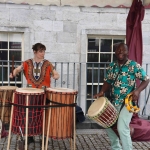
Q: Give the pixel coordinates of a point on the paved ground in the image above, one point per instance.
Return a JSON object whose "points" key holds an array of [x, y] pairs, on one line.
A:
{"points": [[86, 139]]}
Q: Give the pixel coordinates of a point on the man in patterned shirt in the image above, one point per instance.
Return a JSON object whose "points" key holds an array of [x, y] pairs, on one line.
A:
{"points": [[121, 77]]}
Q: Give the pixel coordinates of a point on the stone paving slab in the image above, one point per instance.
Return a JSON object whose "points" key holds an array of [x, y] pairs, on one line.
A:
{"points": [[86, 139]]}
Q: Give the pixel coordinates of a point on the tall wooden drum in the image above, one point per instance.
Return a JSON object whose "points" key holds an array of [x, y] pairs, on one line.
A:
{"points": [[28, 97], [6, 93], [61, 118]]}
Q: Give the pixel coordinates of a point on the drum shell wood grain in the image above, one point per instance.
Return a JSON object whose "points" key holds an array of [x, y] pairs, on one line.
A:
{"points": [[61, 118], [6, 93]]}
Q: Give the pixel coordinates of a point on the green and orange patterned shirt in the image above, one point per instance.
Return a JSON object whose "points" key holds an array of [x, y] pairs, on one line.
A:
{"points": [[126, 81]]}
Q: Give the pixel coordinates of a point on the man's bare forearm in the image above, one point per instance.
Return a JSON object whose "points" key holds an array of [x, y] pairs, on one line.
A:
{"points": [[106, 86], [17, 70], [143, 85]]}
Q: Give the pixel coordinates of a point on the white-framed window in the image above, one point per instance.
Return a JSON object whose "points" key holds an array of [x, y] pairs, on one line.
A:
{"points": [[11, 48], [100, 52]]}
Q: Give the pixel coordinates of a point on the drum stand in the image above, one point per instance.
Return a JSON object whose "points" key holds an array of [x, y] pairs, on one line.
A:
{"points": [[10, 126], [43, 123], [3, 106], [2, 113], [74, 131], [74, 128], [26, 131], [46, 144]]}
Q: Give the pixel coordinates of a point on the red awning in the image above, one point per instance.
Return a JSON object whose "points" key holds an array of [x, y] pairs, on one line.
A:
{"points": [[134, 31]]}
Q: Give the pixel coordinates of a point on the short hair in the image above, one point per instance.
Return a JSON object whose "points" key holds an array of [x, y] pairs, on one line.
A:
{"points": [[115, 45], [125, 45], [38, 46]]}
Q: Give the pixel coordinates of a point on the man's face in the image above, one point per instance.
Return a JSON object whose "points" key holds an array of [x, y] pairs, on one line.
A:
{"points": [[40, 53], [121, 52]]}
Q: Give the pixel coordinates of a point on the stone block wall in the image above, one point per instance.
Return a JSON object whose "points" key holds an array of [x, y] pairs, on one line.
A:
{"points": [[64, 30]]}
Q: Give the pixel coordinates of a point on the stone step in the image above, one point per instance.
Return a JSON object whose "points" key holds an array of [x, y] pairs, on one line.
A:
{"points": [[88, 124]]}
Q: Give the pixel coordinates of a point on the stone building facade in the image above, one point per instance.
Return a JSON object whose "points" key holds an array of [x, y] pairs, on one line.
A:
{"points": [[64, 30]]}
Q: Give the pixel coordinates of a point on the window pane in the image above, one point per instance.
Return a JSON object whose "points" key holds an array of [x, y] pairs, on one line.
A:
{"points": [[106, 45], [96, 76], [105, 58], [95, 90], [92, 75], [16, 54], [3, 45], [15, 45], [118, 41], [3, 73], [10, 45], [93, 45], [93, 57], [3, 56]]}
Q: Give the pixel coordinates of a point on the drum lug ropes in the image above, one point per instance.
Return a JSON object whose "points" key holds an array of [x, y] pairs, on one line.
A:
{"points": [[26, 104], [60, 120], [103, 112]]}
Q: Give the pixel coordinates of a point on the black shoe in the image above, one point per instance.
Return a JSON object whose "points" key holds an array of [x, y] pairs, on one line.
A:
{"points": [[30, 140]]}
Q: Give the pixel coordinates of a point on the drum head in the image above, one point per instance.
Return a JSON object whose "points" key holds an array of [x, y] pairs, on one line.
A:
{"points": [[96, 106], [8, 87], [29, 90], [62, 90]]}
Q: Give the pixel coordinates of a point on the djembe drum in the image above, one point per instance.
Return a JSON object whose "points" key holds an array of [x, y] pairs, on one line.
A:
{"points": [[6, 93], [29, 120], [60, 121], [103, 112], [28, 97]]}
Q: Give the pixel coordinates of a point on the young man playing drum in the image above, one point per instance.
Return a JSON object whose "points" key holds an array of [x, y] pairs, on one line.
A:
{"points": [[38, 71], [122, 74]]}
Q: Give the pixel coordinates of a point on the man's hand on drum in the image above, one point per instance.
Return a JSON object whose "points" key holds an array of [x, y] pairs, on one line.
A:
{"points": [[99, 94]]}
